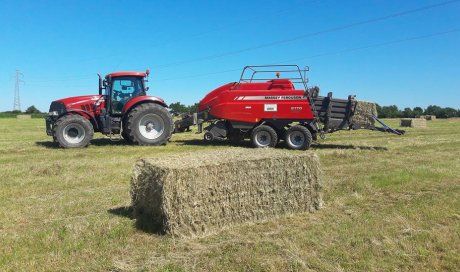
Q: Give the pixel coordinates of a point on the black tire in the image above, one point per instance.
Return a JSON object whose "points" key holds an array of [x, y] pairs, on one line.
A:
{"points": [[73, 131], [149, 124], [298, 137], [126, 136], [264, 136], [208, 137]]}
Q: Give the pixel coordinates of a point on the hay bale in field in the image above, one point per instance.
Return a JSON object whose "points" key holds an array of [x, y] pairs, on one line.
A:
{"points": [[363, 112], [413, 122], [197, 193], [23, 116], [430, 117]]}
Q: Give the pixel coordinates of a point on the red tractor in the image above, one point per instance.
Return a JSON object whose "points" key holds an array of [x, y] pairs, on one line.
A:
{"points": [[123, 110], [268, 109]]}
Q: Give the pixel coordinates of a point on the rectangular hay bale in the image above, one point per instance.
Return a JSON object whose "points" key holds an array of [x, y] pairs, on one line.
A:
{"points": [[363, 113], [413, 122], [196, 193]]}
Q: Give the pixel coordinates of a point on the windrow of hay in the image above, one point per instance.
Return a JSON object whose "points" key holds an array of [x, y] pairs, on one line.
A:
{"points": [[23, 116], [363, 112], [196, 193], [413, 122]]}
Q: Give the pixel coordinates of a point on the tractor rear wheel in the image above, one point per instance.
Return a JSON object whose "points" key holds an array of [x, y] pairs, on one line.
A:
{"points": [[149, 124], [264, 136], [73, 131], [298, 137]]}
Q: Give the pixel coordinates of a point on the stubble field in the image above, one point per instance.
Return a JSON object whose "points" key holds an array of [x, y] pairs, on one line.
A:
{"points": [[390, 203]]}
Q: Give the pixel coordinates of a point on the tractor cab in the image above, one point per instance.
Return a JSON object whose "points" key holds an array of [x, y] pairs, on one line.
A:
{"points": [[120, 88]]}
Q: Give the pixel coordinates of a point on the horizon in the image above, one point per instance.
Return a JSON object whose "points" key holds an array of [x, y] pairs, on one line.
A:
{"points": [[387, 52]]}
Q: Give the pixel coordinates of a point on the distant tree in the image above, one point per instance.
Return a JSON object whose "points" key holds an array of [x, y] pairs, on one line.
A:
{"points": [[379, 111], [449, 112], [32, 109], [178, 107], [193, 108], [408, 113], [417, 111], [390, 112], [434, 110]]}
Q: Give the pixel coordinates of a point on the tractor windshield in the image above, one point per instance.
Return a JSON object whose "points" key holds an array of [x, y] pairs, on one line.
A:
{"points": [[123, 89]]}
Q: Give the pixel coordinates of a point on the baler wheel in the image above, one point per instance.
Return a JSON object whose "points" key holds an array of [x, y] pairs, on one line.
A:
{"points": [[298, 137], [149, 124], [264, 136], [73, 131], [208, 136]]}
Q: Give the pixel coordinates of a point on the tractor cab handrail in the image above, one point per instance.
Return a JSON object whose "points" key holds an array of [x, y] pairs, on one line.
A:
{"points": [[295, 73]]}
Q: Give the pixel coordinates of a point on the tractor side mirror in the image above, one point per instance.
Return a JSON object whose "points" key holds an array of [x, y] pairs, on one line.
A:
{"points": [[147, 89]]}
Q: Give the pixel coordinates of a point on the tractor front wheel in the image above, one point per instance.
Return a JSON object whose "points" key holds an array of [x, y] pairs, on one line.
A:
{"points": [[149, 124], [73, 131], [298, 137], [264, 136]]}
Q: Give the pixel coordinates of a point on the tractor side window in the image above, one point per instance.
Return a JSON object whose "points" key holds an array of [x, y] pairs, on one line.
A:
{"points": [[123, 89]]}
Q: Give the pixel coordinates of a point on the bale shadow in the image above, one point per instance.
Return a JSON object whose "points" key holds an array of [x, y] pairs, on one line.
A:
{"points": [[143, 223]]}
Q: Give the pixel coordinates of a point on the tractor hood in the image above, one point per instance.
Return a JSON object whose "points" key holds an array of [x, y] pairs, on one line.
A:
{"points": [[76, 101], [84, 102]]}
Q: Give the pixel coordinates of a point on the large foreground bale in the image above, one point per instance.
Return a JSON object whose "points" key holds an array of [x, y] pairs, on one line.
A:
{"points": [[413, 122], [363, 112], [192, 194]]}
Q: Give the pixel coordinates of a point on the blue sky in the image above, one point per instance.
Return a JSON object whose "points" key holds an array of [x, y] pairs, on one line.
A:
{"points": [[387, 51]]}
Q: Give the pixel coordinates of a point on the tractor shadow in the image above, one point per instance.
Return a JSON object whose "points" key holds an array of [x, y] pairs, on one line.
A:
{"points": [[281, 145], [47, 144], [142, 223], [94, 142]]}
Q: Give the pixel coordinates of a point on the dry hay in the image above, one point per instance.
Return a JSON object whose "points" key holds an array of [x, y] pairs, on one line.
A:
{"points": [[429, 117], [413, 122], [363, 111], [23, 116], [196, 193]]}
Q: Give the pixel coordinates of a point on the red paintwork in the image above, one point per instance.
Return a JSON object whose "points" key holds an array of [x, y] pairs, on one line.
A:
{"points": [[119, 74], [247, 102], [139, 99]]}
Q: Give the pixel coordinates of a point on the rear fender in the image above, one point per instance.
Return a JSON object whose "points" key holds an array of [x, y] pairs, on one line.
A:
{"points": [[140, 100]]}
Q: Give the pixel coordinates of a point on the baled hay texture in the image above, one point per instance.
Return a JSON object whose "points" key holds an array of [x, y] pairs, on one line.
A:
{"points": [[23, 116], [363, 113], [413, 122], [430, 117], [197, 193]]}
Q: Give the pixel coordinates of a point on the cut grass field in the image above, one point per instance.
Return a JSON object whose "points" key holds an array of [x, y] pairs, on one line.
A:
{"points": [[391, 203]]}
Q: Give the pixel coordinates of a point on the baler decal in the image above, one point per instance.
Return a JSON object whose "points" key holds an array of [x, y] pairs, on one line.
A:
{"points": [[275, 97]]}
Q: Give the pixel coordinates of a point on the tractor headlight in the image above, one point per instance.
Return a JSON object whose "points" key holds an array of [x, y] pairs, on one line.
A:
{"points": [[53, 113]]}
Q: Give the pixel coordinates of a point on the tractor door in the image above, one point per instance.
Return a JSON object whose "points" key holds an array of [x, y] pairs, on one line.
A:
{"points": [[122, 89]]}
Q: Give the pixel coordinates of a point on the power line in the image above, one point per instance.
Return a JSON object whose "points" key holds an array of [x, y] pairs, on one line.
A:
{"points": [[431, 35], [307, 35]]}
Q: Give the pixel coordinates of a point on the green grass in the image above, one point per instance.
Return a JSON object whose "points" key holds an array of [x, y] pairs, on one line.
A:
{"points": [[391, 203]]}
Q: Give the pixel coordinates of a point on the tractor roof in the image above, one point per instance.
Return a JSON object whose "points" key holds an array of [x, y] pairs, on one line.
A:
{"points": [[119, 74]]}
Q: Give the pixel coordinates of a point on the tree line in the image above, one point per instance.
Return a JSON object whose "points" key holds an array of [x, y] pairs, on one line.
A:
{"points": [[394, 112]]}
